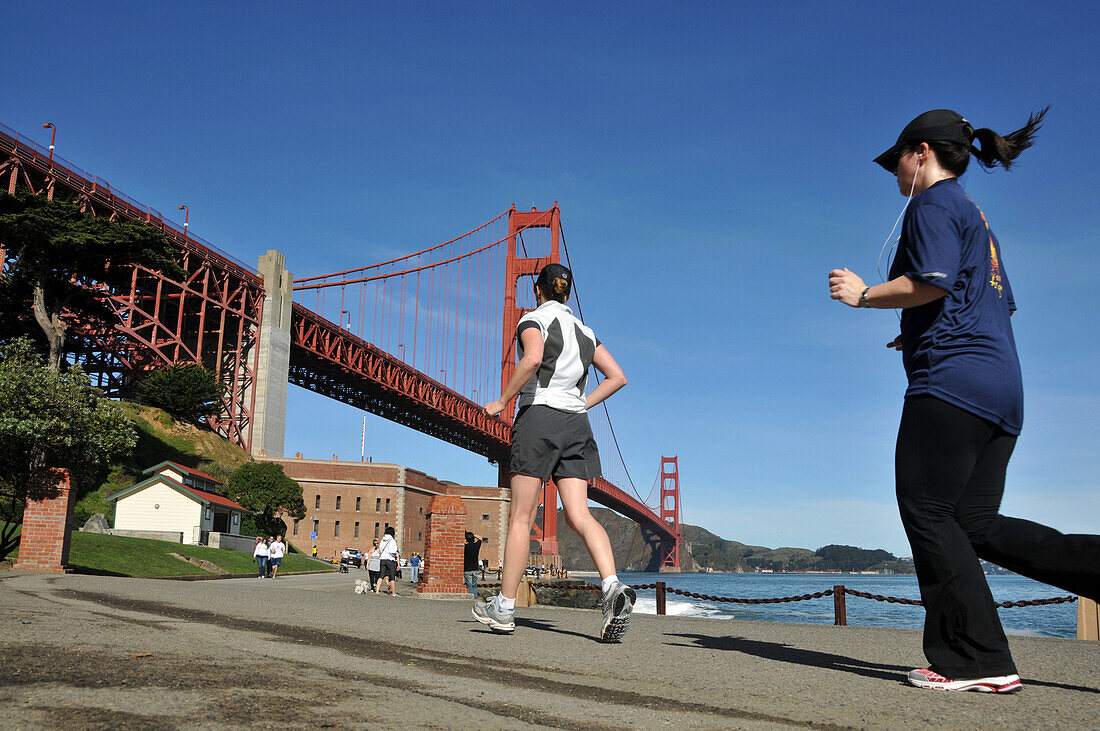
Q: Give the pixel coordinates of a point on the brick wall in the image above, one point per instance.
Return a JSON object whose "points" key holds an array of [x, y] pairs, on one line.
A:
{"points": [[47, 527], [443, 547]]}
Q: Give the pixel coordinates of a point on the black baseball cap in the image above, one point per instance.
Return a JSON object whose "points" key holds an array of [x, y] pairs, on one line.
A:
{"points": [[549, 273], [938, 124]]}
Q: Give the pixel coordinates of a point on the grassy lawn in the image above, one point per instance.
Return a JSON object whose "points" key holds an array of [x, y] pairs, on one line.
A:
{"points": [[99, 553]]}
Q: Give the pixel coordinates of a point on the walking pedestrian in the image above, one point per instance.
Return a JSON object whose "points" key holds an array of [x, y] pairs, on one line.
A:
{"points": [[388, 558], [552, 437], [374, 566], [277, 548], [260, 552], [414, 568], [964, 405], [471, 567]]}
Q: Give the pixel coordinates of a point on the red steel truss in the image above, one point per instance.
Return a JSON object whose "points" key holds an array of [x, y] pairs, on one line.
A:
{"points": [[211, 317]]}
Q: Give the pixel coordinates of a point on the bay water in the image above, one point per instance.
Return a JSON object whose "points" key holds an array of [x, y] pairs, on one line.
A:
{"points": [[1055, 620]]}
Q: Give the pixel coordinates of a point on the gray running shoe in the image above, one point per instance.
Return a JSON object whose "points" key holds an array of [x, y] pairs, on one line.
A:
{"points": [[486, 612], [618, 603]]}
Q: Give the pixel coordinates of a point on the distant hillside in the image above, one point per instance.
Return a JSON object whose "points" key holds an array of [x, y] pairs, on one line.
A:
{"points": [[636, 550], [160, 438]]}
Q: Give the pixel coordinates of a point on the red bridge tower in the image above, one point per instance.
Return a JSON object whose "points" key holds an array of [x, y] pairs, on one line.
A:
{"points": [[515, 268], [670, 510]]}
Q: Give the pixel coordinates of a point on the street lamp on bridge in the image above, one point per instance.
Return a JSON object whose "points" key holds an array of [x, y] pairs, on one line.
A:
{"points": [[186, 215], [53, 136]]}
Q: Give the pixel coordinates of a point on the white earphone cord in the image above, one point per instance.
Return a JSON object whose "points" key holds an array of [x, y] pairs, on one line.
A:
{"points": [[878, 262]]}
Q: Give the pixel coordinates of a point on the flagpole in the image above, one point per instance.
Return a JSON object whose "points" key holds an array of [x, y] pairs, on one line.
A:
{"points": [[363, 441]]}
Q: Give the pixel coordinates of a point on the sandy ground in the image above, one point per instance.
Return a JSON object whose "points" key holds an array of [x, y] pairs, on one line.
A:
{"points": [[89, 652]]}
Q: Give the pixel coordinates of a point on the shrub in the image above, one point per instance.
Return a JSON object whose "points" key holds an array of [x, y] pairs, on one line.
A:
{"points": [[185, 390]]}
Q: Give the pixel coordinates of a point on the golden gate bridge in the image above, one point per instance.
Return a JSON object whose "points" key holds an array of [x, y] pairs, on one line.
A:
{"points": [[421, 339]]}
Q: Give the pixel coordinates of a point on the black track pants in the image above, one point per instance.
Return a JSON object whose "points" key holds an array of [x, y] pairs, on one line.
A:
{"points": [[950, 473]]}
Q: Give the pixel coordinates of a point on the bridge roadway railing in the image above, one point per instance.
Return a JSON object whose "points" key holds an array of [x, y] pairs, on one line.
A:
{"points": [[100, 191]]}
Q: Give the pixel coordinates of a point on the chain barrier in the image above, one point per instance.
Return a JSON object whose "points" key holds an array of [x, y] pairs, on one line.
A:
{"points": [[837, 592]]}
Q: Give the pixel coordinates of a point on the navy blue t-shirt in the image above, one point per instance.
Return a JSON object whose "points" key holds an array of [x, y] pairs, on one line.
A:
{"points": [[959, 348]]}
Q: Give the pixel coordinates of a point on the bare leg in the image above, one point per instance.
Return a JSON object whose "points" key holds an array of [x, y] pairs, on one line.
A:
{"points": [[521, 514], [574, 498]]}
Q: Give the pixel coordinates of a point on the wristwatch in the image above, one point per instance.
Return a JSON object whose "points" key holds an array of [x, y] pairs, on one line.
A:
{"points": [[863, 298]]}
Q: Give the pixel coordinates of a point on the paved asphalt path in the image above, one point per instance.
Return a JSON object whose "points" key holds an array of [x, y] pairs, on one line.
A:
{"points": [[305, 651]]}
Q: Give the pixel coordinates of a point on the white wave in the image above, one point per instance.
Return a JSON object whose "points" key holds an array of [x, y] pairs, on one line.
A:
{"points": [[678, 608]]}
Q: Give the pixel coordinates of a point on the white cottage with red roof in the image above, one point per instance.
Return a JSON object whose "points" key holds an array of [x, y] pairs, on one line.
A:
{"points": [[178, 499]]}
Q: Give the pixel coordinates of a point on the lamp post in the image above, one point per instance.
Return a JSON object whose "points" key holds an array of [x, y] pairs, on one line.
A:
{"points": [[186, 215], [53, 136], [348, 325]]}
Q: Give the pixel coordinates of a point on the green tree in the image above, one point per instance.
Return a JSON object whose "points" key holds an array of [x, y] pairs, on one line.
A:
{"points": [[184, 390], [264, 488], [50, 419], [56, 255]]}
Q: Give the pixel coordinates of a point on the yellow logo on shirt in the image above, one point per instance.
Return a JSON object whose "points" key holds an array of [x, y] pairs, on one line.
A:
{"points": [[994, 262]]}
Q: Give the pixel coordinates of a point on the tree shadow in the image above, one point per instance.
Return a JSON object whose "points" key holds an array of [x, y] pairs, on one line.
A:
{"points": [[794, 655], [88, 571]]}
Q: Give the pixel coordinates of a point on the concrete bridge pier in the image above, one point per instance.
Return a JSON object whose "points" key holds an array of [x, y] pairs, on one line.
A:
{"points": [[273, 366]]}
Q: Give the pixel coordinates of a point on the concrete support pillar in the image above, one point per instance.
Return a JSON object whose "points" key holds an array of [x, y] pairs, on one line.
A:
{"points": [[443, 549], [47, 526], [269, 417]]}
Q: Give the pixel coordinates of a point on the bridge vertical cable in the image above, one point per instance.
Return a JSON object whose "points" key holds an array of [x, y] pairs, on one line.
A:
{"points": [[438, 310]]}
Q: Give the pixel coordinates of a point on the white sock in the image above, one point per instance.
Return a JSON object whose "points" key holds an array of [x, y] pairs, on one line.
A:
{"points": [[609, 582], [504, 604]]}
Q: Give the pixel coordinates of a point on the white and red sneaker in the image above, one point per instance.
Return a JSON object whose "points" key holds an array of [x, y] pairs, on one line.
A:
{"points": [[925, 678]]}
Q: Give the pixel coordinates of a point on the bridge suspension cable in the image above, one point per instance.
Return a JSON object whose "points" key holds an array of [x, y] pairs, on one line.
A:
{"points": [[595, 382]]}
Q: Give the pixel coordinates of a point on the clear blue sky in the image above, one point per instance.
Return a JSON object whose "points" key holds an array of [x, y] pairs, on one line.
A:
{"points": [[712, 162]]}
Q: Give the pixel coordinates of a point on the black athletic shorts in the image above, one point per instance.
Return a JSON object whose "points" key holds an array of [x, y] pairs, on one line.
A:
{"points": [[549, 443], [388, 569]]}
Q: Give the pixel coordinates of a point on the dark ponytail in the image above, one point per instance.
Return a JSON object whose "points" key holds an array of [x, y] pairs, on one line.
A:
{"points": [[1003, 150], [995, 150]]}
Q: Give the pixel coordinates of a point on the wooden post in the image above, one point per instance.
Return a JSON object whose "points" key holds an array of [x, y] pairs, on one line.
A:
{"points": [[840, 610], [1088, 619], [660, 597]]}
